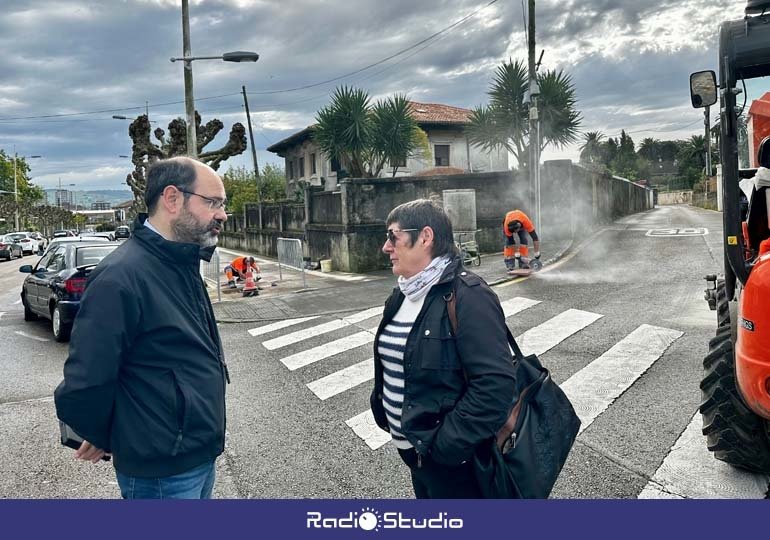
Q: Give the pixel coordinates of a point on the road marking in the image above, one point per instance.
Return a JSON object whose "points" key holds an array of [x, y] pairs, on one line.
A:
{"points": [[681, 231], [690, 471], [301, 335], [516, 305], [365, 427], [547, 335], [278, 325], [315, 354], [595, 387], [30, 336], [1, 314], [343, 380]]}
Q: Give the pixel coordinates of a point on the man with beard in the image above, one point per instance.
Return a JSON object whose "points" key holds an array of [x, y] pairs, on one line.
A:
{"points": [[145, 377]]}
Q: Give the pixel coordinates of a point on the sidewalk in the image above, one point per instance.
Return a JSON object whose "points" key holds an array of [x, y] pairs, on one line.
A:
{"points": [[334, 292]]}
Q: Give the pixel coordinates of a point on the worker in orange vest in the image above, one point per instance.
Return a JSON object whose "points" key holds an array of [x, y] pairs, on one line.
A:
{"points": [[517, 227], [237, 269]]}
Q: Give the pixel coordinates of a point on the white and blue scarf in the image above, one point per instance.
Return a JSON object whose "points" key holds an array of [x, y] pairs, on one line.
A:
{"points": [[418, 285]]}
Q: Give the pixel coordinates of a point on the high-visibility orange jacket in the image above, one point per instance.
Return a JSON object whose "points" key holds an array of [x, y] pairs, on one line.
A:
{"points": [[240, 263], [517, 215]]}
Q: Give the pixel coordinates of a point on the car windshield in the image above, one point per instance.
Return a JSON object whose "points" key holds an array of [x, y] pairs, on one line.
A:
{"points": [[17, 236], [92, 254]]}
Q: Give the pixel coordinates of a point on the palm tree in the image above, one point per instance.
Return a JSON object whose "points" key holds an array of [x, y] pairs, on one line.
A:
{"points": [[649, 149], [366, 137], [504, 122], [591, 151]]}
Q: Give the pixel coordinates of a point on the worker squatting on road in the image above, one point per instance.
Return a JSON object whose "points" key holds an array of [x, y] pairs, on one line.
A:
{"points": [[516, 227], [237, 269]]}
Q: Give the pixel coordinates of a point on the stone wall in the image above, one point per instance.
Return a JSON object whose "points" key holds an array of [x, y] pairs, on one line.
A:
{"points": [[675, 197], [348, 225]]}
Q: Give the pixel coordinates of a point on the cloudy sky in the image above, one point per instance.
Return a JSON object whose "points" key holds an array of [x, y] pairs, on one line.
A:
{"points": [[69, 65]]}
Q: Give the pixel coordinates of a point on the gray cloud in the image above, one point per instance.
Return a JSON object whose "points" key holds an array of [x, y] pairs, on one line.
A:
{"points": [[629, 61]]}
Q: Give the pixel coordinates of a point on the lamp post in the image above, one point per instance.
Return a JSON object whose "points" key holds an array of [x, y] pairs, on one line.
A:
{"points": [[16, 188], [189, 101]]}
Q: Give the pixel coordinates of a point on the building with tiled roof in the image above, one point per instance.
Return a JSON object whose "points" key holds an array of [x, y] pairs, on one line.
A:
{"points": [[449, 147]]}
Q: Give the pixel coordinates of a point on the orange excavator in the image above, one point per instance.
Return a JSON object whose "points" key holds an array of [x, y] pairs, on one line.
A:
{"points": [[736, 383]]}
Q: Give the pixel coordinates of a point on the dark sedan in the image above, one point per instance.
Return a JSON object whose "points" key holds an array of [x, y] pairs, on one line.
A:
{"points": [[56, 283], [10, 248]]}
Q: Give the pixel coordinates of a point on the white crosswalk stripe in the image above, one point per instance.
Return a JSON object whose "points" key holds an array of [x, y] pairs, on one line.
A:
{"points": [[365, 427], [307, 333], [690, 471], [592, 389], [544, 337], [310, 356], [516, 305], [343, 380], [279, 325]]}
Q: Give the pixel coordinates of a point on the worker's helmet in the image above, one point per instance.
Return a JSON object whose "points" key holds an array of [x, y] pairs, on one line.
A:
{"points": [[251, 260], [514, 225]]}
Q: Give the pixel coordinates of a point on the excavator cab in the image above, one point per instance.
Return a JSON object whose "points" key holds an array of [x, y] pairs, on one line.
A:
{"points": [[736, 385]]}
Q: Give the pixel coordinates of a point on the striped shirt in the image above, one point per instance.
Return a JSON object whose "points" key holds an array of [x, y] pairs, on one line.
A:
{"points": [[390, 347]]}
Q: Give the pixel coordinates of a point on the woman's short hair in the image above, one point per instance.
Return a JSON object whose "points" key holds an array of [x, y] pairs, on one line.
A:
{"points": [[423, 213]]}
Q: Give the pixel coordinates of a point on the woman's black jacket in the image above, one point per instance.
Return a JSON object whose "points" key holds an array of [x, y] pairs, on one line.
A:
{"points": [[445, 416]]}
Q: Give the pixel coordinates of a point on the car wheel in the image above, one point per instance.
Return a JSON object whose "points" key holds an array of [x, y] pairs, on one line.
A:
{"points": [[61, 331], [29, 315]]}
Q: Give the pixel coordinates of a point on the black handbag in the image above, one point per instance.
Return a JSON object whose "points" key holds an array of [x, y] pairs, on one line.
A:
{"points": [[524, 458]]}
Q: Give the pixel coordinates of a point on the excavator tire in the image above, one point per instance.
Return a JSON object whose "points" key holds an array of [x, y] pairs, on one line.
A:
{"points": [[733, 432]]}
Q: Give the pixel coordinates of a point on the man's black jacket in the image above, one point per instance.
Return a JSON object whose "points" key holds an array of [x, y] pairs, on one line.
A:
{"points": [[443, 415], [145, 377]]}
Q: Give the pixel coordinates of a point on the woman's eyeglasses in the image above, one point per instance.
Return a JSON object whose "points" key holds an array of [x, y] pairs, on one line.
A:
{"points": [[391, 234], [214, 204]]}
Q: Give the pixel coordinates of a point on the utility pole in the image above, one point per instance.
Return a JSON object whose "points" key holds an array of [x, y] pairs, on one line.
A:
{"points": [[192, 139], [534, 124], [251, 137], [15, 192]]}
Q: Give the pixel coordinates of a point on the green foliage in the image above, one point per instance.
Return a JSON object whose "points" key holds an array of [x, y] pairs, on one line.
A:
{"points": [[366, 137], [504, 123], [241, 186]]}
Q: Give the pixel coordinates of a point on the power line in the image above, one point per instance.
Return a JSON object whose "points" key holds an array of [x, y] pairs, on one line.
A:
{"points": [[382, 61]]}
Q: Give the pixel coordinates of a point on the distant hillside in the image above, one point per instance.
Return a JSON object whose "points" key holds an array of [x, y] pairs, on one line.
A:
{"points": [[86, 198]]}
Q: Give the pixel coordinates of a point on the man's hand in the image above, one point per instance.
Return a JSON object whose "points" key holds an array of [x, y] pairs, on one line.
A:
{"points": [[88, 452]]}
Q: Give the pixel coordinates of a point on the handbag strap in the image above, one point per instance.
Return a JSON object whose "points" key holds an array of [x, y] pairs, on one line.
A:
{"points": [[451, 307]]}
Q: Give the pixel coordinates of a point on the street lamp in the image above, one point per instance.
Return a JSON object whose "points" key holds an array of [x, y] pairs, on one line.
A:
{"points": [[236, 56], [16, 188]]}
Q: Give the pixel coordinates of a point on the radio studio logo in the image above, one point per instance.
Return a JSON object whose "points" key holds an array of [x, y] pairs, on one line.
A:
{"points": [[370, 519]]}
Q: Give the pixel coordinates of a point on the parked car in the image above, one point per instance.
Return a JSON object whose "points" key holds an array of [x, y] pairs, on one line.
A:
{"points": [[56, 283], [10, 248], [42, 241], [62, 233], [28, 244], [73, 240], [107, 235], [122, 232]]}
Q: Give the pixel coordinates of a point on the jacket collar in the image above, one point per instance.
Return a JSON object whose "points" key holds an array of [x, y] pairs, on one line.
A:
{"points": [[175, 252]]}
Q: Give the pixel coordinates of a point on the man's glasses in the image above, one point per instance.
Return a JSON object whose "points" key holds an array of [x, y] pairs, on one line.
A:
{"points": [[214, 204], [391, 234]]}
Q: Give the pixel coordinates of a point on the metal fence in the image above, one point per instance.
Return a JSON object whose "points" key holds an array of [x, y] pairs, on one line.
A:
{"points": [[290, 255], [211, 274]]}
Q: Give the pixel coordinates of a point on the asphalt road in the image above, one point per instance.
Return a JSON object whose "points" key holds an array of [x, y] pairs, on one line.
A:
{"points": [[621, 322]]}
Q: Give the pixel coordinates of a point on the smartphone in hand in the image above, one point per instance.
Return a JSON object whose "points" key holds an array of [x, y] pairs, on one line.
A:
{"points": [[72, 440]]}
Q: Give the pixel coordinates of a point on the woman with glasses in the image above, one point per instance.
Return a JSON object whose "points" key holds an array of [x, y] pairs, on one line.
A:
{"points": [[440, 394]]}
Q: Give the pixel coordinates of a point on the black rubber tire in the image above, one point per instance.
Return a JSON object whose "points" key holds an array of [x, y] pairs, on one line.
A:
{"points": [[733, 432], [62, 332], [29, 315]]}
